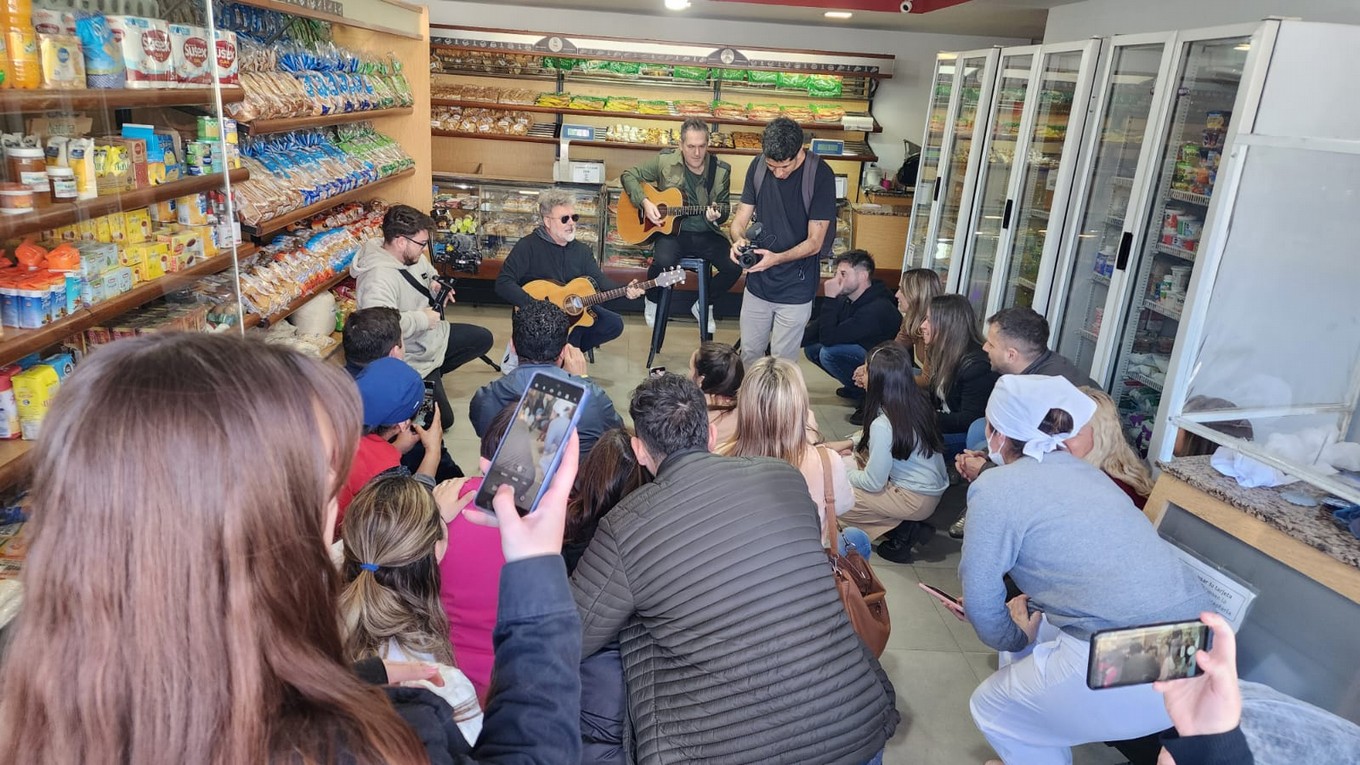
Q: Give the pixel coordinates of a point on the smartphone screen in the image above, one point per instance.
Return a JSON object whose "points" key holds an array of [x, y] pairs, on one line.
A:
{"points": [[425, 414], [1146, 654], [529, 454]]}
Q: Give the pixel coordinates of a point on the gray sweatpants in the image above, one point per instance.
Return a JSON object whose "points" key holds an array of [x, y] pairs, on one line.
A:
{"points": [[776, 325]]}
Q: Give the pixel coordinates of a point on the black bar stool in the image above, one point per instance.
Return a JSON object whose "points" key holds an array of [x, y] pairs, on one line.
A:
{"points": [[663, 307]]}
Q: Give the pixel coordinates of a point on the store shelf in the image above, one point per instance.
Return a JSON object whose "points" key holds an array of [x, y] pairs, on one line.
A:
{"points": [[285, 124], [14, 462], [1158, 308], [1184, 196], [364, 192], [1026, 283], [1176, 252], [26, 101], [300, 10], [1100, 279], [18, 343], [1144, 380], [531, 138], [862, 152], [47, 218], [1122, 181], [1089, 335], [672, 117], [549, 75], [253, 320]]}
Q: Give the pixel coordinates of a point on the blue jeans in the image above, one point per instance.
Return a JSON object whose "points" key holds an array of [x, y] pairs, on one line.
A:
{"points": [[839, 361], [975, 438], [853, 538], [977, 435], [877, 760]]}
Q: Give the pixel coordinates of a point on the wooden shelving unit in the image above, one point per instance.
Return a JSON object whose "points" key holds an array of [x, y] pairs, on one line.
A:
{"points": [[47, 218], [674, 117], [255, 320], [23, 101], [308, 13], [18, 343], [285, 124], [273, 225], [14, 462]]}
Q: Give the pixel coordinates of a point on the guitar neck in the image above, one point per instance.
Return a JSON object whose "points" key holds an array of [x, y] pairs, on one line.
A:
{"points": [[687, 210], [618, 292]]}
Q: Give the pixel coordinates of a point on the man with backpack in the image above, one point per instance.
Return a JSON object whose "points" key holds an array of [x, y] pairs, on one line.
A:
{"points": [[794, 192]]}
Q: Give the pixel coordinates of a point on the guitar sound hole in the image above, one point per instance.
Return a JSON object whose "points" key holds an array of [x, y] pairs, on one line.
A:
{"points": [[572, 305]]}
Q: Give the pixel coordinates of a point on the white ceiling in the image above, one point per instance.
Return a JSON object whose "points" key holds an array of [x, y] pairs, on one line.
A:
{"points": [[992, 18]]}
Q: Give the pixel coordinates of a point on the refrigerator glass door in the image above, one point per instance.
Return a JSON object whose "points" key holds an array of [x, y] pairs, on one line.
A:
{"points": [[929, 169], [972, 74], [995, 178], [1030, 216], [1211, 73], [1128, 103]]}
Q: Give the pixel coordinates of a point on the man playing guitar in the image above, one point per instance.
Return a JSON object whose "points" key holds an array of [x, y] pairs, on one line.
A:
{"points": [[551, 252], [705, 182]]}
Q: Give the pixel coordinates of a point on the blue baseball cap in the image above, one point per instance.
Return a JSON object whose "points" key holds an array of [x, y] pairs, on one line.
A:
{"points": [[391, 391]]}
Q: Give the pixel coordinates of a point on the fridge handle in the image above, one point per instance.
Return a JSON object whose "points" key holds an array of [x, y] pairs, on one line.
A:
{"points": [[1006, 216], [935, 194], [1125, 244]]}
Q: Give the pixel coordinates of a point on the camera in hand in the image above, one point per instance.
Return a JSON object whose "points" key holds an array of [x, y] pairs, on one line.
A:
{"points": [[746, 254], [441, 296], [456, 251]]}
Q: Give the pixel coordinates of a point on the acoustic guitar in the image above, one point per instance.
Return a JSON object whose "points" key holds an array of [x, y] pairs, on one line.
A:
{"points": [[578, 295], [635, 228]]}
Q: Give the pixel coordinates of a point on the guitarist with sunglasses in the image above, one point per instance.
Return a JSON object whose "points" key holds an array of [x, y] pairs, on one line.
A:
{"points": [[705, 183], [552, 253]]}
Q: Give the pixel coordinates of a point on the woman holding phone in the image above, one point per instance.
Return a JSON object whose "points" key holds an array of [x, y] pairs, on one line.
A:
{"points": [[1087, 561]]}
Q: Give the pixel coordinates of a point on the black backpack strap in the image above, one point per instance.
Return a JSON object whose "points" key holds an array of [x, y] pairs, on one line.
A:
{"points": [[810, 161], [761, 169], [422, 289]]}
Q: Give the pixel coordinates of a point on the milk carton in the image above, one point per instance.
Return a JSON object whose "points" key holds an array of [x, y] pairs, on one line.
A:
{"points": [[146, 49], [193, 58]]}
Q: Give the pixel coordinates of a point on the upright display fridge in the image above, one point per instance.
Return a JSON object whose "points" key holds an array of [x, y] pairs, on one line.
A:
{"points": [[951, 195], [1149, 181], [937, 123], [1039, 111]]}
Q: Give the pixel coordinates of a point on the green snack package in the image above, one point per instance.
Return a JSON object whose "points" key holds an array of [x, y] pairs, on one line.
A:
{"points": [[730, 75], [824, 86], [627, 68], [691, 73], [759, 77], [792, 80]]}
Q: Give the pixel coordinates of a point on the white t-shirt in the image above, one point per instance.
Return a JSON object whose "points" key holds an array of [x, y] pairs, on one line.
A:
{"points": [[457, 690]]}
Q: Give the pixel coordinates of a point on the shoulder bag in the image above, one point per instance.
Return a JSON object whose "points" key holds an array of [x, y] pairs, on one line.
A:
{"points": [[861, 591]]}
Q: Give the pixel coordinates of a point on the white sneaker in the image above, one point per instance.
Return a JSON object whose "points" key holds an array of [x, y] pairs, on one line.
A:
{"points": [[510, 361], [649, 312], [694, 311]]}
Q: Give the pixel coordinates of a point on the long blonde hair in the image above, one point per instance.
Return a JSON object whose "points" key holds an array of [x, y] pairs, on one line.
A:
{"points": [[390, 533], [772, 407], [1110, 451], [919, 286], [954, 333], [174, 617]]}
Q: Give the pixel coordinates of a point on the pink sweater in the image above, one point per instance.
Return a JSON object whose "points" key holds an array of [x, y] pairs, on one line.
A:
{"points": [[470, 576]]}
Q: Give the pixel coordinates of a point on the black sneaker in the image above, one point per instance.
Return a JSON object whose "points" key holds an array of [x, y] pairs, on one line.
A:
{"points": [[895, 551], [846, 391], [857, 417]]}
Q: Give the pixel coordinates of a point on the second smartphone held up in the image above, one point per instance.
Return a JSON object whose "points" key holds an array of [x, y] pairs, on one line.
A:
{"points": [[532, 448], [1146, 654]]}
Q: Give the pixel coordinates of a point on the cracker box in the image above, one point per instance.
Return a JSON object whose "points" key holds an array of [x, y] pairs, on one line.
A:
{"points": [[146, 49], [194, 58], [226, 65]]}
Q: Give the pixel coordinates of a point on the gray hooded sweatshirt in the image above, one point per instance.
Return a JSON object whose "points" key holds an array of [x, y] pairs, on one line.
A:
{"points": [[381, 284]]}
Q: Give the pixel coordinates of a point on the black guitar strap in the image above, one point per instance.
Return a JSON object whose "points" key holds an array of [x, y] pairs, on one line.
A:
{"points": [[422, 289], [709, 175]]}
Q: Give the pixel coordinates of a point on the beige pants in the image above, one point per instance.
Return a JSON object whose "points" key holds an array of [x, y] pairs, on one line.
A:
{"points": [[878, 512]]}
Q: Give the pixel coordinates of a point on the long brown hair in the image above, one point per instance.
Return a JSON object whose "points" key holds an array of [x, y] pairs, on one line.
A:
{"points": [[772, 410], [179, 600], [393, 526], [609, 473], [919, 286], [954, 334], [718, 372], [892, 391]]}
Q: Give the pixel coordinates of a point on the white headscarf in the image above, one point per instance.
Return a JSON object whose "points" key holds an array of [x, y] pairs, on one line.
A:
{"points": [[1019, 403]]}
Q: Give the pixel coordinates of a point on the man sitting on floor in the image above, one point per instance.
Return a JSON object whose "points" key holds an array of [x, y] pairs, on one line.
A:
{"points": [[1017, 344], [858, 314], [538, 332]]}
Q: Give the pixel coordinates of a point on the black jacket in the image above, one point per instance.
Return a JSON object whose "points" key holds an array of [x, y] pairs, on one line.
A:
{"points": [[534, 707], [536, 256], [1215, 749], [968, 393], [866, 322]]}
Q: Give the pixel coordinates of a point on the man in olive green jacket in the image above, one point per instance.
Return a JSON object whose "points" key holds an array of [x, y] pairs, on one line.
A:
{"points": [[705, 182]]}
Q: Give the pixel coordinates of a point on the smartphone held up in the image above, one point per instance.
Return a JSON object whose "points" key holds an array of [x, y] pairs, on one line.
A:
{"points": [[1146, 654], [531, 450]]}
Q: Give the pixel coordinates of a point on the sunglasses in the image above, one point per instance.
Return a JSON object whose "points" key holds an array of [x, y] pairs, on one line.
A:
{"points": [[423, 244], [573, 218]]}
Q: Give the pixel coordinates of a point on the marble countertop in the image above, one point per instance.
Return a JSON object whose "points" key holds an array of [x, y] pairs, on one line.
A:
{"points": [[1312, 526]]}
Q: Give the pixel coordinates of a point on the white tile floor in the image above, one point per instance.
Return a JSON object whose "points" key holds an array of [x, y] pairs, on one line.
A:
{"points": [[934, 660]]}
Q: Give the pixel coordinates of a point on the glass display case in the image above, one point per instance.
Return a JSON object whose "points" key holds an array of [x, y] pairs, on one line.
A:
{"points": [[497, 213], [928, 172]]}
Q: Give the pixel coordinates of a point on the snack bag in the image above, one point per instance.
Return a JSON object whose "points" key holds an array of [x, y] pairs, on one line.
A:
{"points": [[103, 57]]}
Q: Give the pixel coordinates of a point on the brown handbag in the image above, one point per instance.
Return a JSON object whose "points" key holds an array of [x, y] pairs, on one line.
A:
{"points": [[861, 591]]}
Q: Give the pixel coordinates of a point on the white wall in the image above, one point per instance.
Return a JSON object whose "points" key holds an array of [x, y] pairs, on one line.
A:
{"points": [[900, 104], [1093, 18]]}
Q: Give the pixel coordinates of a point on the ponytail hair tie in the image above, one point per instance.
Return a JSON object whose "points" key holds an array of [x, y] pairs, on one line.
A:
{"points": [[373, 567]]}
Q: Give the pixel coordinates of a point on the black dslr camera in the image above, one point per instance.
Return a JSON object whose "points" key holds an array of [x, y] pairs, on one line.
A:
{"points": [[457, 251], [746, 254]]}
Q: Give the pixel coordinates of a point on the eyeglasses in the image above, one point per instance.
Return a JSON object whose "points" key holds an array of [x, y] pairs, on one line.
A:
{"points": [[573, 218], [423, 244]]}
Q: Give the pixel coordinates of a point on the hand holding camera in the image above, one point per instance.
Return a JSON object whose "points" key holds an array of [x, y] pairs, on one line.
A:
{"points": [[746, 251]]}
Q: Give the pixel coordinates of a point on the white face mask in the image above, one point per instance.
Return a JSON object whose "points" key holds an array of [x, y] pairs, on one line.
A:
{"points": [[995, 456]]}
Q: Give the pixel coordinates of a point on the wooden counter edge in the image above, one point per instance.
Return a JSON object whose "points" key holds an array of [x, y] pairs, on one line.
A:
{"points": [[1309, 561]]}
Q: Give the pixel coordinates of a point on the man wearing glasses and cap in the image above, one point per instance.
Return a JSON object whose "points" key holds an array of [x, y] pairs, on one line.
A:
{"points": [[551, 252], [395, 272]]}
